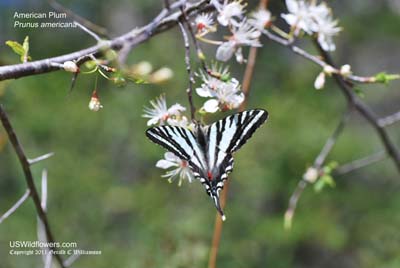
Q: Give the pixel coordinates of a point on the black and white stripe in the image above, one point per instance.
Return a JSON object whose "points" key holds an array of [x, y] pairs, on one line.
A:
{"points": [[209, 149]]}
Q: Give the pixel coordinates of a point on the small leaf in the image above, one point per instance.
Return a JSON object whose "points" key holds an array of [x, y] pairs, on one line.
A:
{"points": [[325, 180], [329, 168], [21, 50], [385, 78], [25, 45], [16, 47]]}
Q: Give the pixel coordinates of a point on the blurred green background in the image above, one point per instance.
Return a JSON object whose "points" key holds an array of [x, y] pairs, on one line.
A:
{"points": [[106, 194]]}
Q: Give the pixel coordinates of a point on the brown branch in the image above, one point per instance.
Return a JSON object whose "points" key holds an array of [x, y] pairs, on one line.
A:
{"points": [[360, 163], [129, 40], [29, 179]]}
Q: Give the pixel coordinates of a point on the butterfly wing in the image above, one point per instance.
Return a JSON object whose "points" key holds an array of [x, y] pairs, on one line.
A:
{"points": [[180, 141], [224, 138], [229, 134]]}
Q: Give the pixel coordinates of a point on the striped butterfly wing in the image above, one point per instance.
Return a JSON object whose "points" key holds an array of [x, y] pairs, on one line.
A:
{"points": [[180, 141], [227, 136]]}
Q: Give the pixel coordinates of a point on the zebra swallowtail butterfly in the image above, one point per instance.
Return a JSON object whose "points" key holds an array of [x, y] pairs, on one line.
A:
{"points": [[208, 150]]}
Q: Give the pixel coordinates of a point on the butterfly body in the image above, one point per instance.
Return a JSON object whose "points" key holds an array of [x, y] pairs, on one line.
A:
{"points": [[208, 149]]}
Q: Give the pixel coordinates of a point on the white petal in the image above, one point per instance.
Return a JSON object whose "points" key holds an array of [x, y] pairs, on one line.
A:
{"points": [[239, 55], [211, 106], [176, 109], [203, 91], [152, 121], [292, 6], [320, 81], [164, 164], [225, 51], [171, 157]]}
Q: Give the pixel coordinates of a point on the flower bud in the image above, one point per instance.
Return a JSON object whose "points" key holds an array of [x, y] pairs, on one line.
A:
{"points": [[70, 66], [329, 69], [311, 175], [345, 70], [320, 81], [161, 75], [143, 68], [94, 104]]}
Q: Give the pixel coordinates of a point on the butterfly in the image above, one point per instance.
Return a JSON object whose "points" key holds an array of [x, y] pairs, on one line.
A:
{"points": [[208, 149]]}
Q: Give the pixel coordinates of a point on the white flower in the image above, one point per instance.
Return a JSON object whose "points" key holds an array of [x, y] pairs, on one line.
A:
{"points": [[260, 18], [243, 34], [312, 18], [212, 79], [181, 168], [320, 81], [326, 29], [227, 96], [159, 113], [299, 16], [204, 22], [229, 12]]}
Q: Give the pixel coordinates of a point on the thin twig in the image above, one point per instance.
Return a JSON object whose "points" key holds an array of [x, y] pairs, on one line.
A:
{"points": [[318, 162], [389, 120], [320, 159], [15, 206], [40, 158], [294, 198], [29, 179], [315, 59], [189, 70], [86, 30], [360, 163], [71, 259], [364, 110], [88, 24], [41, 232]]}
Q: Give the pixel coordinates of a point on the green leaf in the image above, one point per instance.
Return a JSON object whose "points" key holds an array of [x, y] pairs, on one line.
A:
{"points": [[21, 50], [25, 46], [385, 78], [325, 180], [16, 47]]}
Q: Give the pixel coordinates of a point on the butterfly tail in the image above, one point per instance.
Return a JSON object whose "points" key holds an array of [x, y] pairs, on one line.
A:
{"points": [[217, 204]]}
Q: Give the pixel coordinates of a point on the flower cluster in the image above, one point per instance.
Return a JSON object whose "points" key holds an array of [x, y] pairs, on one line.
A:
{"points": [[243, 31], [312, 18], [224, 91], [160, 114]]}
